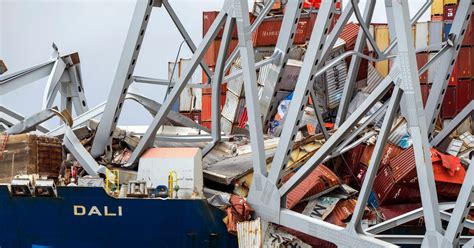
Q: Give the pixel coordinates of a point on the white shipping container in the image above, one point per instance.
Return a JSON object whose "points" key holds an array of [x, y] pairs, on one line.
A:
{"points": [[226, 125], [230, 106], [421, 35], [435, 34], [432, 70], [190, 99], [185, 163]]}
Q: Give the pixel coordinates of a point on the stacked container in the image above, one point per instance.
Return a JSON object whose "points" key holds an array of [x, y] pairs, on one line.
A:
{"points": [[210, 58], [461, 84]]}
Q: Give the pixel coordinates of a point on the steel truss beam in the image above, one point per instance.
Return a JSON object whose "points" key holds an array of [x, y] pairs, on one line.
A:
{"points": [[267, 194], [124, 75], [12, 118], [447, 61], [64, 76], [233, 10]]}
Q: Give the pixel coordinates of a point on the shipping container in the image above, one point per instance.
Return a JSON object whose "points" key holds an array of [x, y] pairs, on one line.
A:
{"points": [[329, 87], [422, 35], [447, 29], [269, 30], [382, 38], [263, 52], [353, 157], [317, 4], [425, 92], [469, 35], [230, 107], [390, 151], [210, 57], [388, 192], [318, 180], [435, 35], [437, 8], [433, 69], [450, 2], [206, 107], [449, 12], [421, 60], [448, 109], [463, 67], [208, 18], [290, 75], [226, 126], [404, 167], [463, 94], [349, 35]]}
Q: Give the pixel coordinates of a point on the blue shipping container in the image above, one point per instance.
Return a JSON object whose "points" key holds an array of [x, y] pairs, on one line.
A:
{"points": [[447, 29]]}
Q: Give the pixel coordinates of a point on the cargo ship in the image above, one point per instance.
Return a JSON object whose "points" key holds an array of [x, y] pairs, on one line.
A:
{"points": [[89, 217]]}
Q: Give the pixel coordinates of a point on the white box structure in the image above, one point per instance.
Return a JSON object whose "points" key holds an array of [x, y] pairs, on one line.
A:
{"points": [[156, 164]]}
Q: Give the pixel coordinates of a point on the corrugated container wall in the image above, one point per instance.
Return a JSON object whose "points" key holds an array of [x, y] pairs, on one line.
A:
{"points": [[382, 38], [450, 2], [463, 94], [422, 35], [448, 109], [269, 30], [435, 34], [449, 12], [437, 8], [422, 59], [469, 36]]}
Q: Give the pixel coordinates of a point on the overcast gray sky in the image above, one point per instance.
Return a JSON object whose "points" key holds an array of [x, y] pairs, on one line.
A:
{"points": [[97, 29]]}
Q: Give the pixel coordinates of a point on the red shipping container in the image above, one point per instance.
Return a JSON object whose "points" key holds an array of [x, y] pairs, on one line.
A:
{"points": [[208, 18], [352, 157], [388, 191], [463, 68], [404, 168], [449, 12], [425, 92], [421, 60], [390, 152], [469, 34], [448, 109], [463, 94], [319, 180], [210, 57], [269, 30], [317, 4]]}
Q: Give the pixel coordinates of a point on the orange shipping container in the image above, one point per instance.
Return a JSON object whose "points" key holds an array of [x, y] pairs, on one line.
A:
{"points": [[206, 112], [210, 57]]}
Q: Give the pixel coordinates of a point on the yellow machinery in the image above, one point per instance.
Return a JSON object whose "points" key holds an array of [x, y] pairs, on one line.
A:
{"points": [[112, 180]]}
